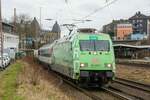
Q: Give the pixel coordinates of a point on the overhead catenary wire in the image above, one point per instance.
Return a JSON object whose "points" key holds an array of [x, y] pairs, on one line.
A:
{"points": [[98, 9], [107, 4], [70, 9], [110, 13]]}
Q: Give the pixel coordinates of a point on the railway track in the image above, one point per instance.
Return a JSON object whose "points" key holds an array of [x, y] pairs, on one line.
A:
{"points": [[94, 95], [89, 94], [97, 95], [111, 91], [133, 84], [117, 94], [132, 89]]}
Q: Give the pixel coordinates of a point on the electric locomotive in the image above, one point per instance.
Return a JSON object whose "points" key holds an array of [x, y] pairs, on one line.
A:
{"points": [[84, 58]]}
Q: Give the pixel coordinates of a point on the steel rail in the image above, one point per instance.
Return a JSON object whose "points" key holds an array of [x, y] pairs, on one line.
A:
{"points": [[117, 94], [87, 93], [90, 94], [133, 84], [113, 92], [95, 97]]}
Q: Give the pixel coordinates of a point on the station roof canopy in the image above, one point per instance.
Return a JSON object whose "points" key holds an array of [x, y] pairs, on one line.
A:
{"points": [[132, 46], [7, 24]]}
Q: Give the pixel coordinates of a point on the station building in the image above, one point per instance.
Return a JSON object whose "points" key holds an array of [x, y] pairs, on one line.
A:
{"points": [[11, 40]]}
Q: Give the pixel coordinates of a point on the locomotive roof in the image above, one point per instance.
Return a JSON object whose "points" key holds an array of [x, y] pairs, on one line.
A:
{"points": [[70, 38], [48, 45]]}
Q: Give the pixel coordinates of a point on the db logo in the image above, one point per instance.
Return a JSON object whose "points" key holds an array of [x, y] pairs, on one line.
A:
{"points": [[95, 61]]}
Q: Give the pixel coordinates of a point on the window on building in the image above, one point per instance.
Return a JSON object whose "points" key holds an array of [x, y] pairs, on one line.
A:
{"points": [[133, 21], [141, 25], [7, 29], [118, 38]]}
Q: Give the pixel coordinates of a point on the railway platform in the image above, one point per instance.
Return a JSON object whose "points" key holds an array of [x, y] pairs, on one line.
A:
{"points": [[133, 61]]}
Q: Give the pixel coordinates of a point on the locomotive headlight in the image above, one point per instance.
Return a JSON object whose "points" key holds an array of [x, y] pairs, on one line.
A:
{"points": [[94, 53], [82, 65], [108, 65]]}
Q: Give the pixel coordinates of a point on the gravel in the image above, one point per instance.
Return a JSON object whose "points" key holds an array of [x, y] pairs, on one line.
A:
{"points": [[139, 74]]}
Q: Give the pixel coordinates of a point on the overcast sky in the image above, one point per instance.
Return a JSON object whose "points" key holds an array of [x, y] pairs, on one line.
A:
{"points": [[76, 9]]}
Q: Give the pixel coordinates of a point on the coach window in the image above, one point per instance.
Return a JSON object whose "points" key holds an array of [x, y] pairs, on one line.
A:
{"points": [[71, 46]]}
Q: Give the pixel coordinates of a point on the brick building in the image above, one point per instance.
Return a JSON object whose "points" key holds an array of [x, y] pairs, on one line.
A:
{"points": [[111, 28], [123, 31], [10, 40]]}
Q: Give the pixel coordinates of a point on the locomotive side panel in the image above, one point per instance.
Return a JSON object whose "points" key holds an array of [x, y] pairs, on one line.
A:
{"points": [[63, 60]]}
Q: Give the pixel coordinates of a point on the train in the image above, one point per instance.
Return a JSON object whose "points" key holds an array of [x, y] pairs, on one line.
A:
{"points": [[85, 58]]}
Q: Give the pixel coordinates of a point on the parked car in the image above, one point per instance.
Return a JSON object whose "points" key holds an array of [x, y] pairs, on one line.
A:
{"points": [[7, 58], [6, 61], [20, 54], [147, 58], [3, 66]]}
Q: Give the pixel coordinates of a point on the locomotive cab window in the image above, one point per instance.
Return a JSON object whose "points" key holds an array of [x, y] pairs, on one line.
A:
{"points": [[86, 45], [102, 45], [94, 45]]}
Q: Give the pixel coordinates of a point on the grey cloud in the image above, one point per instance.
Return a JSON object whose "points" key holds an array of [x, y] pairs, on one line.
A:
{"points": [[76, 9]]}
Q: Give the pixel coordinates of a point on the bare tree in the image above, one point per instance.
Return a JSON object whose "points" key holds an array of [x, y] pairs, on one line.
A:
{"points": [[23, 22]]}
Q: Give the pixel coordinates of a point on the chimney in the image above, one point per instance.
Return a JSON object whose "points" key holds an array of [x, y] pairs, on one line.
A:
{"points": [[14, 28]]}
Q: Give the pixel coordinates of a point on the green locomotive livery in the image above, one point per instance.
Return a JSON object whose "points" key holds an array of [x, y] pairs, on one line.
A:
{"points": [[84, 57]]}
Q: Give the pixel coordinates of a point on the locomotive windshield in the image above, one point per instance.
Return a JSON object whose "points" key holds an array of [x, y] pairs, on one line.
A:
{"points": [[94, 45], [86, 45]]}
